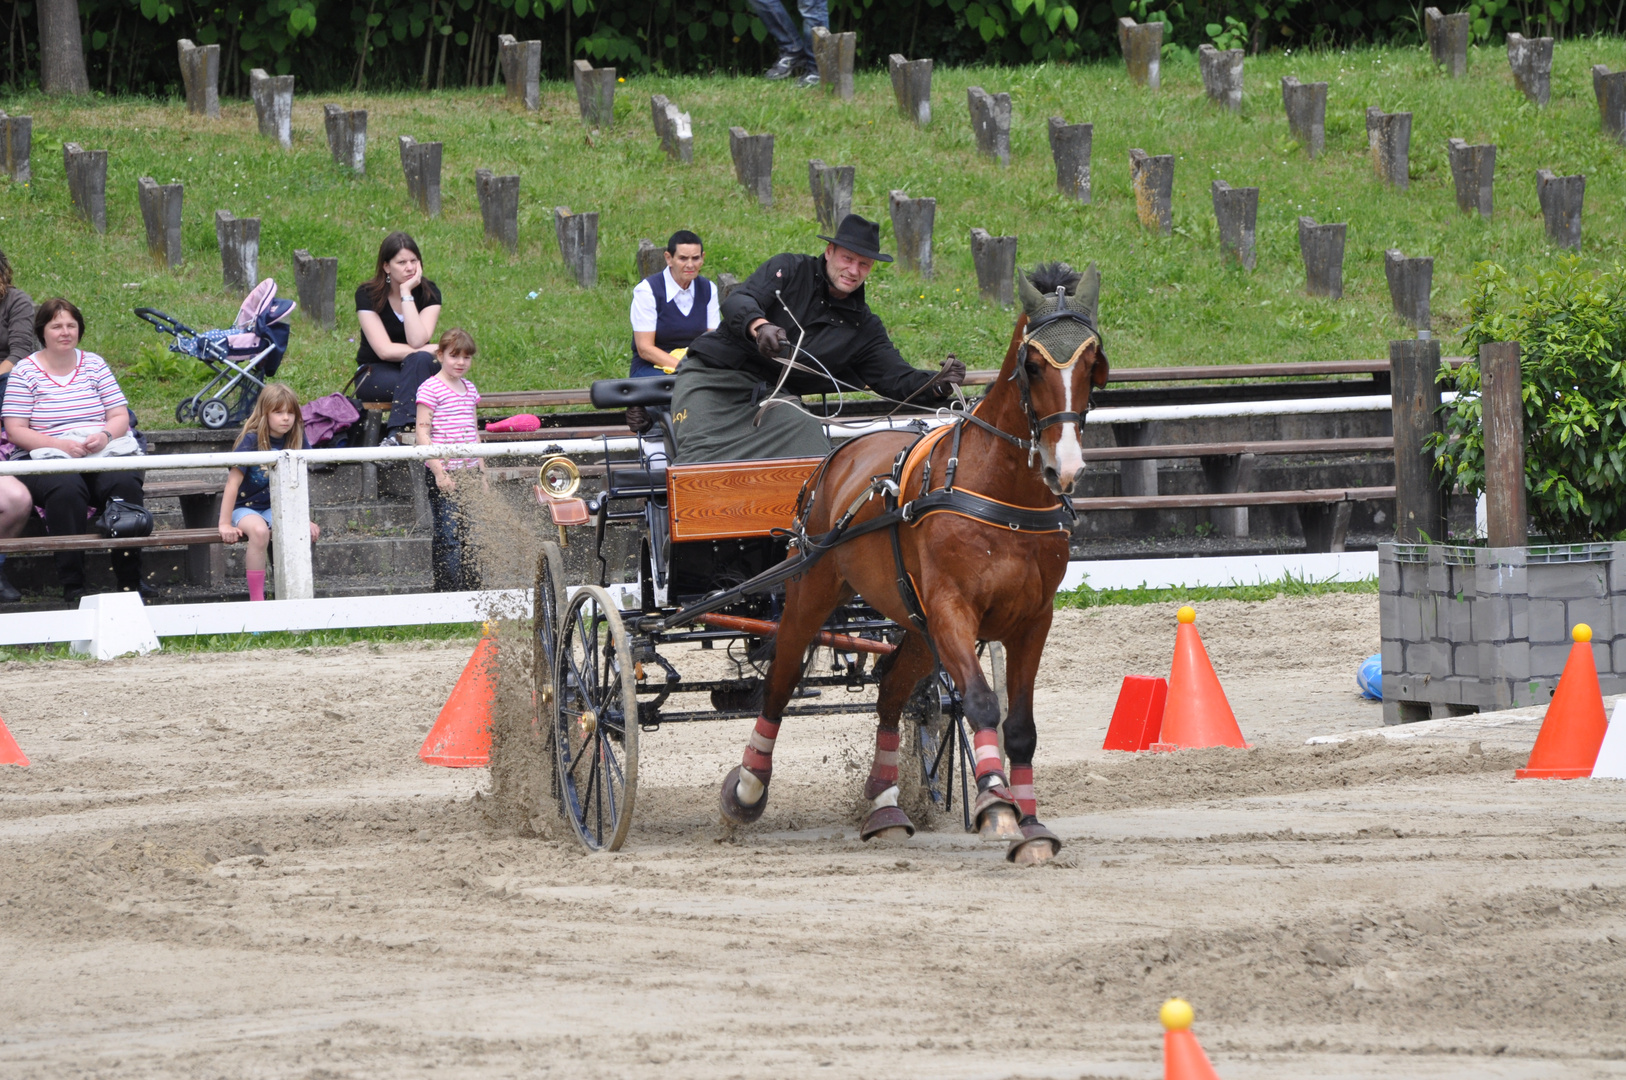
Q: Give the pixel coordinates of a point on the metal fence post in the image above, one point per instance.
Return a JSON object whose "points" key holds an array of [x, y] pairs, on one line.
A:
{"points": [[291, 527]]}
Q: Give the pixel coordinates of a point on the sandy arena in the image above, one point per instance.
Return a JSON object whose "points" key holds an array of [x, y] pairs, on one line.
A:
{"points": [[235, 866]]}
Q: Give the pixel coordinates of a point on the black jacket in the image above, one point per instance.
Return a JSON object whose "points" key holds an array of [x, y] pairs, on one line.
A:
{"points": [[843, 334]]}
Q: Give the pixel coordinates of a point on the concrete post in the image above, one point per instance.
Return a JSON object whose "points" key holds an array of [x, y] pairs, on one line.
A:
{"points": [[1142, 46], [1138, 477], [651, 260], [1236, 211], [912, 221], [1448, 40], [991, 123], [679, 138], [87, 183], [421, 164], [291, 527], [726, 283], [578, 243], [1388, 135], [832, 188], [1610, 90], [834, 53], [317, 282], [499, 207], [1410, 281], [1222, 75], [239, 240], [1070, 146], [346, 137], [1473, 169], [912, 86], [273, 105], [200, 74], [1419, 499], [1227, 474], [16, 145], [753, 163], [1532, 62], [521, 63], [1153, 181], [1502, 401], [1561, 198], [1306, 105], [595, 94], [1322, 248], [161, 213], [995, 260]]}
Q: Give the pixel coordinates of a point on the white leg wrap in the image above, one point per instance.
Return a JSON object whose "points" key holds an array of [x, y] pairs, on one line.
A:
{"points": [[748, 789], [889, 797]]}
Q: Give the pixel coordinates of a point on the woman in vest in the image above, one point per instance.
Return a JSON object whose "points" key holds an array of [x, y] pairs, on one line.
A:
{"points": [[672, 308]]}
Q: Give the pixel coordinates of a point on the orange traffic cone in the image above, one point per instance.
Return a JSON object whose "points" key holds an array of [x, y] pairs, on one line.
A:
{"points": [[461, 737], [1197, 713], [1573, 731], [1183, 1057], [10, 752]]}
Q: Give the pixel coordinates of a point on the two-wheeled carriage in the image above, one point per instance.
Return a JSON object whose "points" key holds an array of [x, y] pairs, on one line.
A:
{"points": [[713, 539]]}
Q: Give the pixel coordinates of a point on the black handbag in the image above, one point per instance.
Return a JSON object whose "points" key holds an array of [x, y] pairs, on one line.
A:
{"points": [[121, 520]]}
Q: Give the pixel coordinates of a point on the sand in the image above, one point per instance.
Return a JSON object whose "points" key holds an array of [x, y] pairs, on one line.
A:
{"points": [[235, 866]]}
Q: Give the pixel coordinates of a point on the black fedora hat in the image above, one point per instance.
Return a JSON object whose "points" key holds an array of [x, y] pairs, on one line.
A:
{"points": [[859, 236]]}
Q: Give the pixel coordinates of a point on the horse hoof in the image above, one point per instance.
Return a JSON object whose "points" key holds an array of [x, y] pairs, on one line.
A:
{"points": [[998, 823], [1037, 845], [887, 823], [735, 811]]}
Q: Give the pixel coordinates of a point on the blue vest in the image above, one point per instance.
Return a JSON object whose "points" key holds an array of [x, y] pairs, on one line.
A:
{"points": [[673, 329]]}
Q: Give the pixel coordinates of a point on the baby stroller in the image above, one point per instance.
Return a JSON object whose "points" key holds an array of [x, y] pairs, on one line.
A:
{"points": [[242, 358]]}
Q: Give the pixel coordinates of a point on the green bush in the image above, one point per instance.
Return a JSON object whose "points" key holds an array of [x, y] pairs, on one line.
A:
{"points": [[1570, 324]]}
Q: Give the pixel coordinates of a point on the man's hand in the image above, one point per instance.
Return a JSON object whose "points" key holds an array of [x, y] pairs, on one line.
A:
{"points": [[953, 374], [771, 339]]}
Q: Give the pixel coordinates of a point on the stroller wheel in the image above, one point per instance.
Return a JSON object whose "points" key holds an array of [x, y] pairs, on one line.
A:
{"points": [[214, 414], [185, 412]]}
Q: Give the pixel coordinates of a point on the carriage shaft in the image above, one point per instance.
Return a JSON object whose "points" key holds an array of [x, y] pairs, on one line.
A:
{"points": [[841, 642]]}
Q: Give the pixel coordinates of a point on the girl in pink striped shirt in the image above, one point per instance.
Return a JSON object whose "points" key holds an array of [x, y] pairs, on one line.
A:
{"points": [[446, 416]]}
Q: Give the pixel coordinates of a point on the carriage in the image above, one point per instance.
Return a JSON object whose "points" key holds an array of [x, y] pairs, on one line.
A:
{"points": [[710, 537]]}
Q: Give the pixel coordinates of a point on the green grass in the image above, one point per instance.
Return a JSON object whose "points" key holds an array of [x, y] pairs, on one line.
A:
{"points": [[1164, 300], [218, 643], [1086, 597]]}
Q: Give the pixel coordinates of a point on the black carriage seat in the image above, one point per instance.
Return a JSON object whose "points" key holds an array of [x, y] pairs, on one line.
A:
{"points": [[653, 391]]}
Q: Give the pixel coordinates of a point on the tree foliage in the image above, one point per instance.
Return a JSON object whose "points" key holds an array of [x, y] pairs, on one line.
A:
{"points": [[1571, 328], [338, 44]]}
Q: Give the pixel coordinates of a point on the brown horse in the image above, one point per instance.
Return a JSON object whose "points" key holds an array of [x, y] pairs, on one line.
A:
{"points": [[975, 579]]}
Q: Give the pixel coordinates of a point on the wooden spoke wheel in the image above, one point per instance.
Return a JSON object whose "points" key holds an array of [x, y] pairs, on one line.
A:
{"points": [[926, 773], [594, 726], [547, 604]]}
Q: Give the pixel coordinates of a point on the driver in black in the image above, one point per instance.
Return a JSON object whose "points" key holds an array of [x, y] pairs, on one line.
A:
{"points": [[808, 312]]}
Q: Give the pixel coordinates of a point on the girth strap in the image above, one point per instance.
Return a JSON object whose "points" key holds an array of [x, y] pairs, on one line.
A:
{"points": [[989, 511]]}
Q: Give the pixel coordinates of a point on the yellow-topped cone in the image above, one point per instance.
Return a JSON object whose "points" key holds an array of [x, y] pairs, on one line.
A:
{"points": [[1573, 729], [1197, 713], [1183, 1057]]}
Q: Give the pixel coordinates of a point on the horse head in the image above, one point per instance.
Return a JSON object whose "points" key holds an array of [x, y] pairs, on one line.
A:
{"points": [[1058, 361]]}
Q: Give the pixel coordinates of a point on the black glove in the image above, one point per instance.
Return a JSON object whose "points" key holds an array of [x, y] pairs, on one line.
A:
{"points": [[638, 419], [771, 339], [953, 374]]}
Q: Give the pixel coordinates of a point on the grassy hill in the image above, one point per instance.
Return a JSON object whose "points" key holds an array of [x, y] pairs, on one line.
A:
{"points": [[1164, 300]]}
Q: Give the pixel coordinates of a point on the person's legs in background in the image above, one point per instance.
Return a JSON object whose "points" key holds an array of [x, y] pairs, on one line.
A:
{"points": [[415, 369], [126, 486], [64, 497], [794, 52], [446, 537], [15, 506]]}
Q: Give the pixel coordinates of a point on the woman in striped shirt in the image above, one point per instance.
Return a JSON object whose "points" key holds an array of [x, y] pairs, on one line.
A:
{"points": [[66, 400]]}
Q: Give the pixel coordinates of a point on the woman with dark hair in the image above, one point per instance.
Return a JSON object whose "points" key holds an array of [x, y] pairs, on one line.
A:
{"points": [[397, 311], [63, 402], [16, 342]]}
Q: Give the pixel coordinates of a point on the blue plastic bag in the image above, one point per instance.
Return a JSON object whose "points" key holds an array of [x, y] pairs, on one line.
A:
{"points": [[1369, 677]]}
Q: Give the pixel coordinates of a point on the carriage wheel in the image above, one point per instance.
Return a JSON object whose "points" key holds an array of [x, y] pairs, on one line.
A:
{"points": [[594, 725], [214, 414], [548, 599], [926, 775]]}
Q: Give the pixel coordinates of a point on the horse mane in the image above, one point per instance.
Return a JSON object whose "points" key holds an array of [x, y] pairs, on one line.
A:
{"points": [[1050, 276]]}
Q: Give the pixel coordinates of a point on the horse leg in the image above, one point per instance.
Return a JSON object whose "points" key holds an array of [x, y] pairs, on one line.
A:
{"points": [[1037, 843], [887, 820], [808, 602], [994, 809]]}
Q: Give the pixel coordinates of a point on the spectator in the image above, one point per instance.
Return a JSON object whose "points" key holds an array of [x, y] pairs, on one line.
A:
{"points": [[795, 49], [64, 402], [445, 416], [672, 308], [245, 506], [16, 342], [397, 311]]}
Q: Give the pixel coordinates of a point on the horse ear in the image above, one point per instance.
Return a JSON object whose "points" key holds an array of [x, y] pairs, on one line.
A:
{"points": [[1098, 370], [1089, 291], [1032, 299]]}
